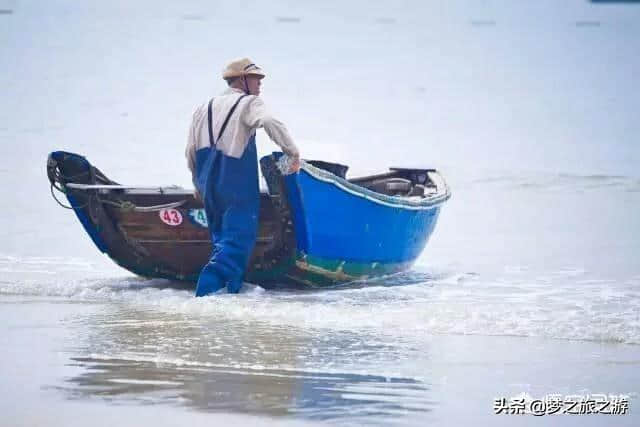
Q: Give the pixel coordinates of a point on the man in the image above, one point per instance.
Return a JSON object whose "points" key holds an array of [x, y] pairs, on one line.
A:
{"points": [[221, 154]]}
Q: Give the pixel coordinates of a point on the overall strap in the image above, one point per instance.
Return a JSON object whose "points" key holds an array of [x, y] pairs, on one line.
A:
{"points": [[209, 114], [226, 121]]}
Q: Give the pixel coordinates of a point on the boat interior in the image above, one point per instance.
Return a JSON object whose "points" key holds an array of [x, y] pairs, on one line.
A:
{"points": [[399, 182]]}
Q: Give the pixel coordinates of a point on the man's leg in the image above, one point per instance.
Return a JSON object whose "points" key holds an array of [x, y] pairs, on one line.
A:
{"points": [[210, 280], [234, 244]]}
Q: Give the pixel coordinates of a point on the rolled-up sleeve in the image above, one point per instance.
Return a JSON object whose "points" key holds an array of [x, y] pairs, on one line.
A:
{"points": [[190, 150], [257, 116]]}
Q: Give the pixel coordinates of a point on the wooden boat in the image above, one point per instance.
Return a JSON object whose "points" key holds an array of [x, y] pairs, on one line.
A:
{"points": [[316, 228]]}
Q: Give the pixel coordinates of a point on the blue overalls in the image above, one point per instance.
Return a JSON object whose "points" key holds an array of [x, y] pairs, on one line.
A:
{"points": [[230, 191]]}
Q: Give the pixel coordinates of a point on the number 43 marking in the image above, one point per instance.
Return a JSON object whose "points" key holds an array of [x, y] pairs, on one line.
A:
{"points": [[171, 217]]}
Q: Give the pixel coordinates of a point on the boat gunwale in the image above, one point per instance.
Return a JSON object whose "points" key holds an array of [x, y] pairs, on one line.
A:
{"points": [[442, 194]]}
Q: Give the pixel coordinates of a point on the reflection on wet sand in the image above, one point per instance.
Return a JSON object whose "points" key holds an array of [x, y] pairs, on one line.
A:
{"points": [[212, 365]]}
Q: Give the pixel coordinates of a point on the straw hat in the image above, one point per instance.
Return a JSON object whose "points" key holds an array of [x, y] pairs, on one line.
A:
{"points": [[242, 67]]}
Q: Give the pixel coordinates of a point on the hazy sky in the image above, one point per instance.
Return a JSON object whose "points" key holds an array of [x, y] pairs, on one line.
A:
{"points": [[463, 85]]}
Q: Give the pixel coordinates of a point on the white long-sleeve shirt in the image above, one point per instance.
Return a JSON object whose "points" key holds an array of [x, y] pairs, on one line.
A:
{"points": [[249, 115]]}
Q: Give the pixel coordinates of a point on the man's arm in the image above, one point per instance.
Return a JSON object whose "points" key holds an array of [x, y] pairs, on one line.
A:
{"points": [[257, 116], [190, 152]]}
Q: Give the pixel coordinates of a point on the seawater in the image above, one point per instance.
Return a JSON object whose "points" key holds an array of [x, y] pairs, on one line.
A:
{"points": [[529, 286]]}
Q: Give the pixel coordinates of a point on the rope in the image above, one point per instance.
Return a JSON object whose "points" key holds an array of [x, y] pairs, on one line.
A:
{"points": [[130, 206], [124, 205], [157, 207], [62, 204]]}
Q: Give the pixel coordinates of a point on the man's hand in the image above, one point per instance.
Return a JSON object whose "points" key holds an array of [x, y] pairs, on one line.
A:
{"points": [[295, 165]]}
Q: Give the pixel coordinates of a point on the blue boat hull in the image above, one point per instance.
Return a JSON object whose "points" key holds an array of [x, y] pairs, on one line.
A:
{"points": [[344, 232]]}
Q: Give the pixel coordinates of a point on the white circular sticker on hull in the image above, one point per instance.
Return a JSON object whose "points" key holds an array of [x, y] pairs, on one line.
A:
{"points": [[171, 217]]}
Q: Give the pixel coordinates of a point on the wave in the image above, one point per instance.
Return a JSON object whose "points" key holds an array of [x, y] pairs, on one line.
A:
{"points": [[567, 304], [562, 181]]}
